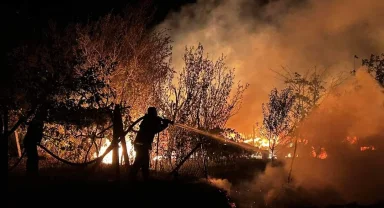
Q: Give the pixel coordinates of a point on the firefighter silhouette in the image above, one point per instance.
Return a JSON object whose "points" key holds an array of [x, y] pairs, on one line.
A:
{"points": [[33, 137], [151, 125]]}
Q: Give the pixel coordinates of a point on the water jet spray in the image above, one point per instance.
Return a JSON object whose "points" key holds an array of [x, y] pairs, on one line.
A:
{"points": [[217, 137], [174, 172]]}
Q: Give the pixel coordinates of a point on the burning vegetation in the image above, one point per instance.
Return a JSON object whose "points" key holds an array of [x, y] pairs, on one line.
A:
{"points": [[316, 136]]}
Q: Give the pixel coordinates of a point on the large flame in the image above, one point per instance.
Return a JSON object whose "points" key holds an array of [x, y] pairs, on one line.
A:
{"points": [[261, 143], [108, 158]]}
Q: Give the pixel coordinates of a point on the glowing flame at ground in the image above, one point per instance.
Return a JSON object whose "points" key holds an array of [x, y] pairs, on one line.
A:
{"points": [[355, 140], [290, 155], [352, 140], [323, 154], [108, 158], [258, 142], [320, 155], [367, 148]]}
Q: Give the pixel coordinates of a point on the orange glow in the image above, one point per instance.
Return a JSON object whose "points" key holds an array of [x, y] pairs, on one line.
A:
{"points": [[108, 158], [261, 143], [367, 148], [290, 155], [313, 152], [323, 154], [352, 140]]}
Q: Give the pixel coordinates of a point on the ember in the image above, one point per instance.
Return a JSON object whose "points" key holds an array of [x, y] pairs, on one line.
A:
{"points": [[351, 140], [321, 155], [367, 148]]}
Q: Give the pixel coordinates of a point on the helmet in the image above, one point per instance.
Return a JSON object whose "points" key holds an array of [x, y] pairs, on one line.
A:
{"points": [[152, 111]]}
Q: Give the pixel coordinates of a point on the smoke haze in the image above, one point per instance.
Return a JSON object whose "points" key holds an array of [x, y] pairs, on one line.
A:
{"points": [[258, 36], [354, 109], [347, 175]]}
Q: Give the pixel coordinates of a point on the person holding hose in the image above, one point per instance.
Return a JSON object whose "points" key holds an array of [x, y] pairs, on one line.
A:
{"points": [[151, 125]]}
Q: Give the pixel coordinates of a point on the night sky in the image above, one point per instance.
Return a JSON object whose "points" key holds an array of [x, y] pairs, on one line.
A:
{"points": [[25, 20]]}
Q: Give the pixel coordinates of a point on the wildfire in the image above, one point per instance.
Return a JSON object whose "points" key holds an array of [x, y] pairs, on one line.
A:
{"points": [[354, 141], [367, 148], [305, 141], [262, 143], [321, 155], [108, 158], [290, 155]]}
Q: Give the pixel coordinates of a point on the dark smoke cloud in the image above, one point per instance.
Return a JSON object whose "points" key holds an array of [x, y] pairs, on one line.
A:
{"points": [[257, 36]]}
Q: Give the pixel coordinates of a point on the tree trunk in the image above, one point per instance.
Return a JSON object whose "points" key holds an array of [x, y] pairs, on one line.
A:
{"points": [[118, 132], [5, 115], [125, 153], [205, 163], [1, 125], [5, 131], [17, 143], [293, 159], [89, 149], [115, 155]]}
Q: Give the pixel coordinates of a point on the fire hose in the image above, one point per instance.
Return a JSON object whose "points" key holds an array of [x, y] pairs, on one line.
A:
{"points": [[100, 158], [17, 163]]}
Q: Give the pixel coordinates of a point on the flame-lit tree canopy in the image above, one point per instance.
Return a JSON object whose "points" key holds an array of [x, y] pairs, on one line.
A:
{"points": [[141, 54], [55, 75], [92, 66], [202, 97], [309, 89], [277, 117], [81, 72]]}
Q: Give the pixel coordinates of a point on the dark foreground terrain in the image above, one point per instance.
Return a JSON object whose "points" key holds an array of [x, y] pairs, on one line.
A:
{"points": [[64, 192], [77, 187]]}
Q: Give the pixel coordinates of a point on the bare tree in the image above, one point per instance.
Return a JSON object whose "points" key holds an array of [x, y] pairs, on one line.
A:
{"points": [[277, 117], [142, 55], [309, 89], [203, 96]]}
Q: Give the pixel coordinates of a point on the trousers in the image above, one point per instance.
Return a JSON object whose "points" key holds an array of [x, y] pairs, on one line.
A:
{"points": [[32, 159], [141, 162]]}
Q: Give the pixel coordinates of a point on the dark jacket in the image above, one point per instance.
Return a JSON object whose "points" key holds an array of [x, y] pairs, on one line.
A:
{"points": [[34, 133], [149, 127]]}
